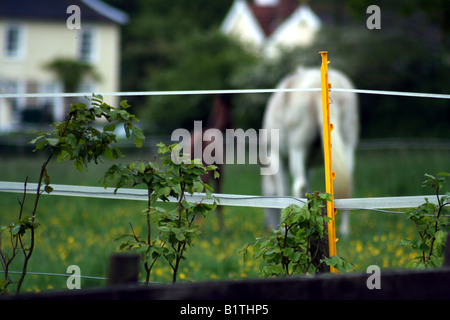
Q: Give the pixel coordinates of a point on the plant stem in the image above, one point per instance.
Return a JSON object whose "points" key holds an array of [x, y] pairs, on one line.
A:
{"points": [[283, 258], [436, 224], [27, 256], [149, 229]]}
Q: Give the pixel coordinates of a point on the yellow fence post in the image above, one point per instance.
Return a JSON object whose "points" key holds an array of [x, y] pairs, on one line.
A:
{"points": [[329, 174]]}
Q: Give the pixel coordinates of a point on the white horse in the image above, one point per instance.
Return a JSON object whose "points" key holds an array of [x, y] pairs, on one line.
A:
{"points": [[298, 116]]}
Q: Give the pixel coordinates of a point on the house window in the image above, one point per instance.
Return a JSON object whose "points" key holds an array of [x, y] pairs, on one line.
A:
{"points": [[87, 45], [17, 104], [14, 41]]}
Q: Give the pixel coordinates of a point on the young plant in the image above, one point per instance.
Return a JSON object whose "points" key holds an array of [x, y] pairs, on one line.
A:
{"points": [[297, 247], [431, 221], [169, 232], [77, 139]]}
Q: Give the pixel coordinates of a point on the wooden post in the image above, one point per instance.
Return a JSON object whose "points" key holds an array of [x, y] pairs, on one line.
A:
{"points": [[321, 250], [123, 269], [447, 252]]}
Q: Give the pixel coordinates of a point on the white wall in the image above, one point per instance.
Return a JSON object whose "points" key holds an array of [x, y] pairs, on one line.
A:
{"points": [[45, 41]]}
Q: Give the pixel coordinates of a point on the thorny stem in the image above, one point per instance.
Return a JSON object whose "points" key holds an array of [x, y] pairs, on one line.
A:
{"points": [[436, 224], [308, 250], [149, 229], [284, 262], [4, 259], [27, 255], [181, 246], [23, 198], [146, 266], [149, 235]]}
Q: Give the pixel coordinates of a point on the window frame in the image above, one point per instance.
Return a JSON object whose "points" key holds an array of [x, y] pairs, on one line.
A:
{"points": [[91, 56], [18, 52]]}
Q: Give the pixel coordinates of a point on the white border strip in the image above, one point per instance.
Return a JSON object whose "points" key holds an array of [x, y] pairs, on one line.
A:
{"points": [[237, 91], [223, 199]]}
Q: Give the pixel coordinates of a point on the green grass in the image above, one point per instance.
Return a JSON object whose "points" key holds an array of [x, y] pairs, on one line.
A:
{"points": [[82, 231]]}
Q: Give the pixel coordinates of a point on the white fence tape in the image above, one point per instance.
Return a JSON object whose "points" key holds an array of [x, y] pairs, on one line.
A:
{"points": [[237, 91], [223, 199]]}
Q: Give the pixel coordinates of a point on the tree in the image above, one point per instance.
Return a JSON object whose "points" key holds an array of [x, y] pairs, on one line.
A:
{"points": [[71, 73], [154, 32], [201, 61]]}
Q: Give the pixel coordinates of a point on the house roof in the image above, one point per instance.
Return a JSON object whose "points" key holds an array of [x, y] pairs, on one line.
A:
{"points": [[271, 16], [91, 10]]}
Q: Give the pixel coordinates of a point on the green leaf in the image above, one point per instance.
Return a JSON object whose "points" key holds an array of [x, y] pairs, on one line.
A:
{"points": [[180, 237], [45, 177], [198, 186], [444, 174], [109, 154], [158, 209], [288, 252], [79, 165], [141, 167], [138, 136], [53, 141], [16, 230], [110, 127], [177, 189], [71, 140], [440, 237], [164, 192], [98, 96], [124, 104]]}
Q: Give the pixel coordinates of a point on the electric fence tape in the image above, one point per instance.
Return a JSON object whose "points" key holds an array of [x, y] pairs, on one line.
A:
{"points": [[279, 202], [207, 92]]}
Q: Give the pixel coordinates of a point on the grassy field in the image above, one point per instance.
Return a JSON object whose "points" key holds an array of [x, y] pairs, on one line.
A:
{"points": [[82, 231]]}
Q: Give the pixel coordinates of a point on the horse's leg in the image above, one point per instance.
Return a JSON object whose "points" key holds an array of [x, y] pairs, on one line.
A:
{"points": [[297, 158], [344, 227], [272, 215], [275, 184]]}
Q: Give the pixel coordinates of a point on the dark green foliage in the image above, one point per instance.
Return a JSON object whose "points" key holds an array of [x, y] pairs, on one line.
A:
{"points": [[432, 224], [293, 248], [169, 231], [77, 139], [71, 72]]}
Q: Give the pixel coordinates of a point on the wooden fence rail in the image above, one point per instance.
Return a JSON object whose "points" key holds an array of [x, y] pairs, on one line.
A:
{"points": [[394, 285]]}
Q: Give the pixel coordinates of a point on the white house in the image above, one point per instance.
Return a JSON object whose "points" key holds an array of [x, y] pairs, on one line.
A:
{"points": [[33, 33], [271, 25]]}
